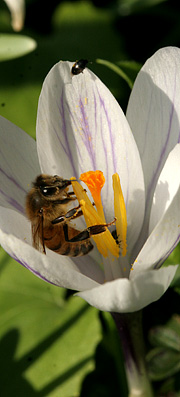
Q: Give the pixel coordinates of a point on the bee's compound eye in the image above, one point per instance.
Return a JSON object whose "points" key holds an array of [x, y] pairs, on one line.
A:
{"points": [[35, 202], [48, 191]]}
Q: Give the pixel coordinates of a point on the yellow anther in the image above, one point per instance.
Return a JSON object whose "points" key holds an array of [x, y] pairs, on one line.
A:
{"points": [[120, 213], [104, 241], [91, 217]]}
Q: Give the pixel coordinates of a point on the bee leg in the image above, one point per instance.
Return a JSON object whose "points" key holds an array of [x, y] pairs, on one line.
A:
{"points": [[70, 194], [74, 213], [73, 194], [66, 200], [71, 214], [91, 231]]}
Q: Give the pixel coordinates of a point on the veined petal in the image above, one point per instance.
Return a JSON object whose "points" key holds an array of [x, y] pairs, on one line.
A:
{"points": [[80, 127], [167, 186], [153, 114], [19, 165], [162, 240], [59, 273], [16, 225], [125, 296]]}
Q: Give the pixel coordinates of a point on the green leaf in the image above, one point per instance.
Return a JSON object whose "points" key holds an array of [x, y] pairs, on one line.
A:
{"points": [[117, 70], [169, 387], [135, 6], [15, 45], [131, 68], [165, 337], [162, 363], [176, 281], [47, 342], [108, 378]]}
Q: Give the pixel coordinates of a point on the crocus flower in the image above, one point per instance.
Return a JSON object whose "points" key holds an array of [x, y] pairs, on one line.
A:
{"points": [[81, 128]]}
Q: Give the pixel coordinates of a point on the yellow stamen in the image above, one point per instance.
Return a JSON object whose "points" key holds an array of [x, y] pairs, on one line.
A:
{"points": [[95, 180], [79, 191], [104, 241], [120, 213], [92, 218]]}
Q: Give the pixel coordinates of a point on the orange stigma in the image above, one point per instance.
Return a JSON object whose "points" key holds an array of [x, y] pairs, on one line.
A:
{"points": [[95, 181]]}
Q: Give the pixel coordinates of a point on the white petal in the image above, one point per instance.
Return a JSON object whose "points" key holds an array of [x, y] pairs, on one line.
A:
{"points": [[162, 240], [167, 186], [125, 295], [60, 272], [18, 165], [81, 127], [154, 113]]}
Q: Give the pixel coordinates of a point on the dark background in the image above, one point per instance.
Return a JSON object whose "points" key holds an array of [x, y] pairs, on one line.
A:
{"points": [[52, 343]]}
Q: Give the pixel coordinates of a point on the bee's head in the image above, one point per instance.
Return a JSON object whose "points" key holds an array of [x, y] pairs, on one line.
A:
{"points": [[50, 186]]}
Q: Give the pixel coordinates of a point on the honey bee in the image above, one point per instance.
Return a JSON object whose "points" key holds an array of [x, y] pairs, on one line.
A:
{"points": [[46, 208], [79, 66]]}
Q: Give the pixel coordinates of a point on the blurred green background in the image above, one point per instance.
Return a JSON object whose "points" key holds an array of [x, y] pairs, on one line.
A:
{"points": [[50, 340]]}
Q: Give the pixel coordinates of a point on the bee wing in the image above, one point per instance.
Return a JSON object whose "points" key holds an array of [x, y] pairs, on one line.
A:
{"points": [[37, 234]]}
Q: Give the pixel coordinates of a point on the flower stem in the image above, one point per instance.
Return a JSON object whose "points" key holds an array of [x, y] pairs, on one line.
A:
{"points": [[130, 331]]}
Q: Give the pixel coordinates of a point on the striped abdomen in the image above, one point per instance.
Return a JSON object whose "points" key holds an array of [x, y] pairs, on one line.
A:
{"points": [[57, 238]]}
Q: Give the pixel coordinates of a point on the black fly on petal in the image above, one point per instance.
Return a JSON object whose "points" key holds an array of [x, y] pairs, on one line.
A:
{"points": [[79, 66]]}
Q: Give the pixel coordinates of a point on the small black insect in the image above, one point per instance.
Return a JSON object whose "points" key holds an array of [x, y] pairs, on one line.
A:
{"points": [[79, 66]]}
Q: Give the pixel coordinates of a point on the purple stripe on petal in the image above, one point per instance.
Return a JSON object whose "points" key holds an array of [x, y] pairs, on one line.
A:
{"points": [[10, 178], [58, 137], [82, 126], [22, 262], [112, 147], [11, 200], [162, 260], [105, 111], [64, 137], [13, 203], [66, 146], [163, 155], [87, 137], [166, 148]]}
